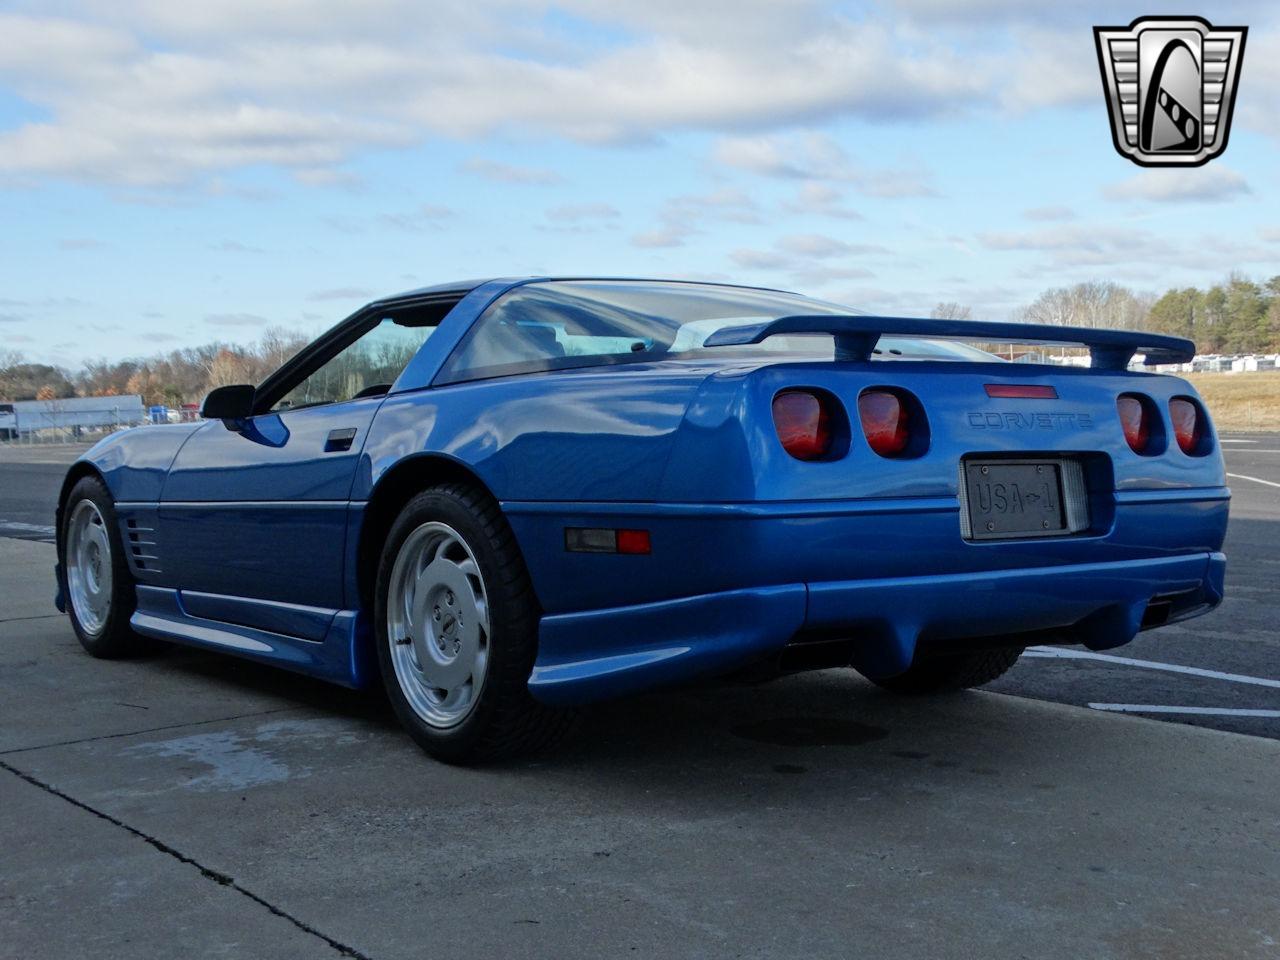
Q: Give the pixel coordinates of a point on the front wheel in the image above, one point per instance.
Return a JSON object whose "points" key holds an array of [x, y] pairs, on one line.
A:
{"points": [[99, 588], [457, 628], [949, 672]]}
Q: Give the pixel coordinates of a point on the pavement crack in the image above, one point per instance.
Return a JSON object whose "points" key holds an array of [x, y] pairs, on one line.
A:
{"points": [[217, 876], [38, 616], [138, 733]]}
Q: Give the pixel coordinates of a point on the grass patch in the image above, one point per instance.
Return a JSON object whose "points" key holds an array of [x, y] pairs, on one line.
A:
{"points": [[1241, 401]]}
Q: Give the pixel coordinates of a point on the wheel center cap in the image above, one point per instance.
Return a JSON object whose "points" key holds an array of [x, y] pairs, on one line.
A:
{"points": [[446, 638]]}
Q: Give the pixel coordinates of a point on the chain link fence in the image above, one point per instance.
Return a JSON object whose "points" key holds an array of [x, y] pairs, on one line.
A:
{"points": [[72, 420]]}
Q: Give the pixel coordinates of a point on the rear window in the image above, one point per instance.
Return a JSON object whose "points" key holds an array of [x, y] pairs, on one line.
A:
{"points": [[581, 323]]}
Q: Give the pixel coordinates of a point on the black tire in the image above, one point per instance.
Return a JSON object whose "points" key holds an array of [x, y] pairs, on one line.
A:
{"points": [[947, 673], [114, 638], [505, 720]]}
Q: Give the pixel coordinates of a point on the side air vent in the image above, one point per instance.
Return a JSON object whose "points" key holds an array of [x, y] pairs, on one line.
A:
{"points": [[144, 552]]}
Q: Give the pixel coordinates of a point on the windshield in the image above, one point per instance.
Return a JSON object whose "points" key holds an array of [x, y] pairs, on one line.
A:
{"points": [[575, 323]]}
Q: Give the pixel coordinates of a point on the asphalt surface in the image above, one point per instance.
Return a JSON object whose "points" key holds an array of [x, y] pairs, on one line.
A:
{"points": [[190, 804], [1241, 637], [30, 478]]}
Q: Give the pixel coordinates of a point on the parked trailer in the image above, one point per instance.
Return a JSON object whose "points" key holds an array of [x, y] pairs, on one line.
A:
{"points": [[76, 414]]}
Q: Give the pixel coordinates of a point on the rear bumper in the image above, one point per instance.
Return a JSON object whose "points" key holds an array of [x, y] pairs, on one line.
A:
{"points": [[611, 652]]}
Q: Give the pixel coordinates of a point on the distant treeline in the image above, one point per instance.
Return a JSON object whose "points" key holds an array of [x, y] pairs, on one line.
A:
{"points": [[174, 378], [1236, 316]]}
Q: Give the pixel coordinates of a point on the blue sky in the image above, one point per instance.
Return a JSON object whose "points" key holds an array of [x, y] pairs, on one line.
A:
{"points": [[171, 176]]}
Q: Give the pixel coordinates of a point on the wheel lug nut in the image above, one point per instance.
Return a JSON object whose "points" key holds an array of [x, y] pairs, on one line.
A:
{"points": [[448, 598]]}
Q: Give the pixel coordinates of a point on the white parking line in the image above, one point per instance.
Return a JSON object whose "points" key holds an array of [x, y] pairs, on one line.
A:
{"points": [[1058, 653], [1198, 711], [1241, 476], [1225, 440]]}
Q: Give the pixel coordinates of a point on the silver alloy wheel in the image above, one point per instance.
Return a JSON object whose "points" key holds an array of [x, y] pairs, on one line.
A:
{"points": [[89, 566], [438, 624]]}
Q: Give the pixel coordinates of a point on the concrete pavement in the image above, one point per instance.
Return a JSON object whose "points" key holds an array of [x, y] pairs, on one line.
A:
{"points": [[192, 805]]}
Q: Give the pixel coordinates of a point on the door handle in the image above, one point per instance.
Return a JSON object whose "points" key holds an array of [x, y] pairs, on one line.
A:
{"points": [[340, 440]]}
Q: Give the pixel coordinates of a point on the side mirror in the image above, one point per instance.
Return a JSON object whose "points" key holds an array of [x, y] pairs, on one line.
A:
{"points": [[229, 404]]}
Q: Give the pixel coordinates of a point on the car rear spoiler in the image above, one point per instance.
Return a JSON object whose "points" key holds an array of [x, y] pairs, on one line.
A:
{"points": [[856, 337]]}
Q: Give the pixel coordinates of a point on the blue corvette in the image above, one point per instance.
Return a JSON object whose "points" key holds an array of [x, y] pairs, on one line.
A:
{"points": [[507, 498]]}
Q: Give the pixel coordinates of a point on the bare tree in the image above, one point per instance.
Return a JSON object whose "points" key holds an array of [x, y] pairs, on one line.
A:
{"points": [[950, 310], [1094, 304], [1055, 306]]}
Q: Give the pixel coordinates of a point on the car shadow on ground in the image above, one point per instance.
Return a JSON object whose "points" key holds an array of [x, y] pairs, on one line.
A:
{"points": [[826, 715], [200, 666]]}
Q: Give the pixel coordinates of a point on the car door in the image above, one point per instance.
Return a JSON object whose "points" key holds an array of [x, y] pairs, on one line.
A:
{"points": [[256, 510]]}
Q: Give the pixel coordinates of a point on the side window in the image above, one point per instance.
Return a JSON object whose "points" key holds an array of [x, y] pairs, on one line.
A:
{"points": [[531, 330], [367, 367]]}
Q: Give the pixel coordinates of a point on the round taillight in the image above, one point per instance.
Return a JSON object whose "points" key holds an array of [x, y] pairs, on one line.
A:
{"points": [[886, 421], [1135, 419], [803, 422], [1188, 424]]}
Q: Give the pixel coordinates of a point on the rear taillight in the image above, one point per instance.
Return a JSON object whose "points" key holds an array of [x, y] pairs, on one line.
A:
{"points": [[1188, 424], [1136, 419], [803, 421], [886, 421]]}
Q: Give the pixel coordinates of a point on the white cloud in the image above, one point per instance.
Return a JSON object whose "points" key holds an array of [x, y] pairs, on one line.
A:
{"points": [[760, 259], [576, 212], [1117, 249], [818, 158], [1082, 245], [822, 200], [668, 236], [1258, 94], [820, 275], [1050, 213], [684, 216], [1052, 68], [809, 259], [235, 320], [510, 173], [821, 247], [144, 92], [324, 177], [1208, 184], [423, 217], [341, 293], [234, 246], [811, 156]]}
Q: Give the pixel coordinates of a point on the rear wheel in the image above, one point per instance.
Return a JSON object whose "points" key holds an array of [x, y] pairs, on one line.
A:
{"points": [[99, 588], [946, 673], [457, 629]]}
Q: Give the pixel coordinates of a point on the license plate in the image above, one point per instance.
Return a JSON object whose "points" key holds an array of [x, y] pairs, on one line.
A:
{"points": [[1014, 498]]}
